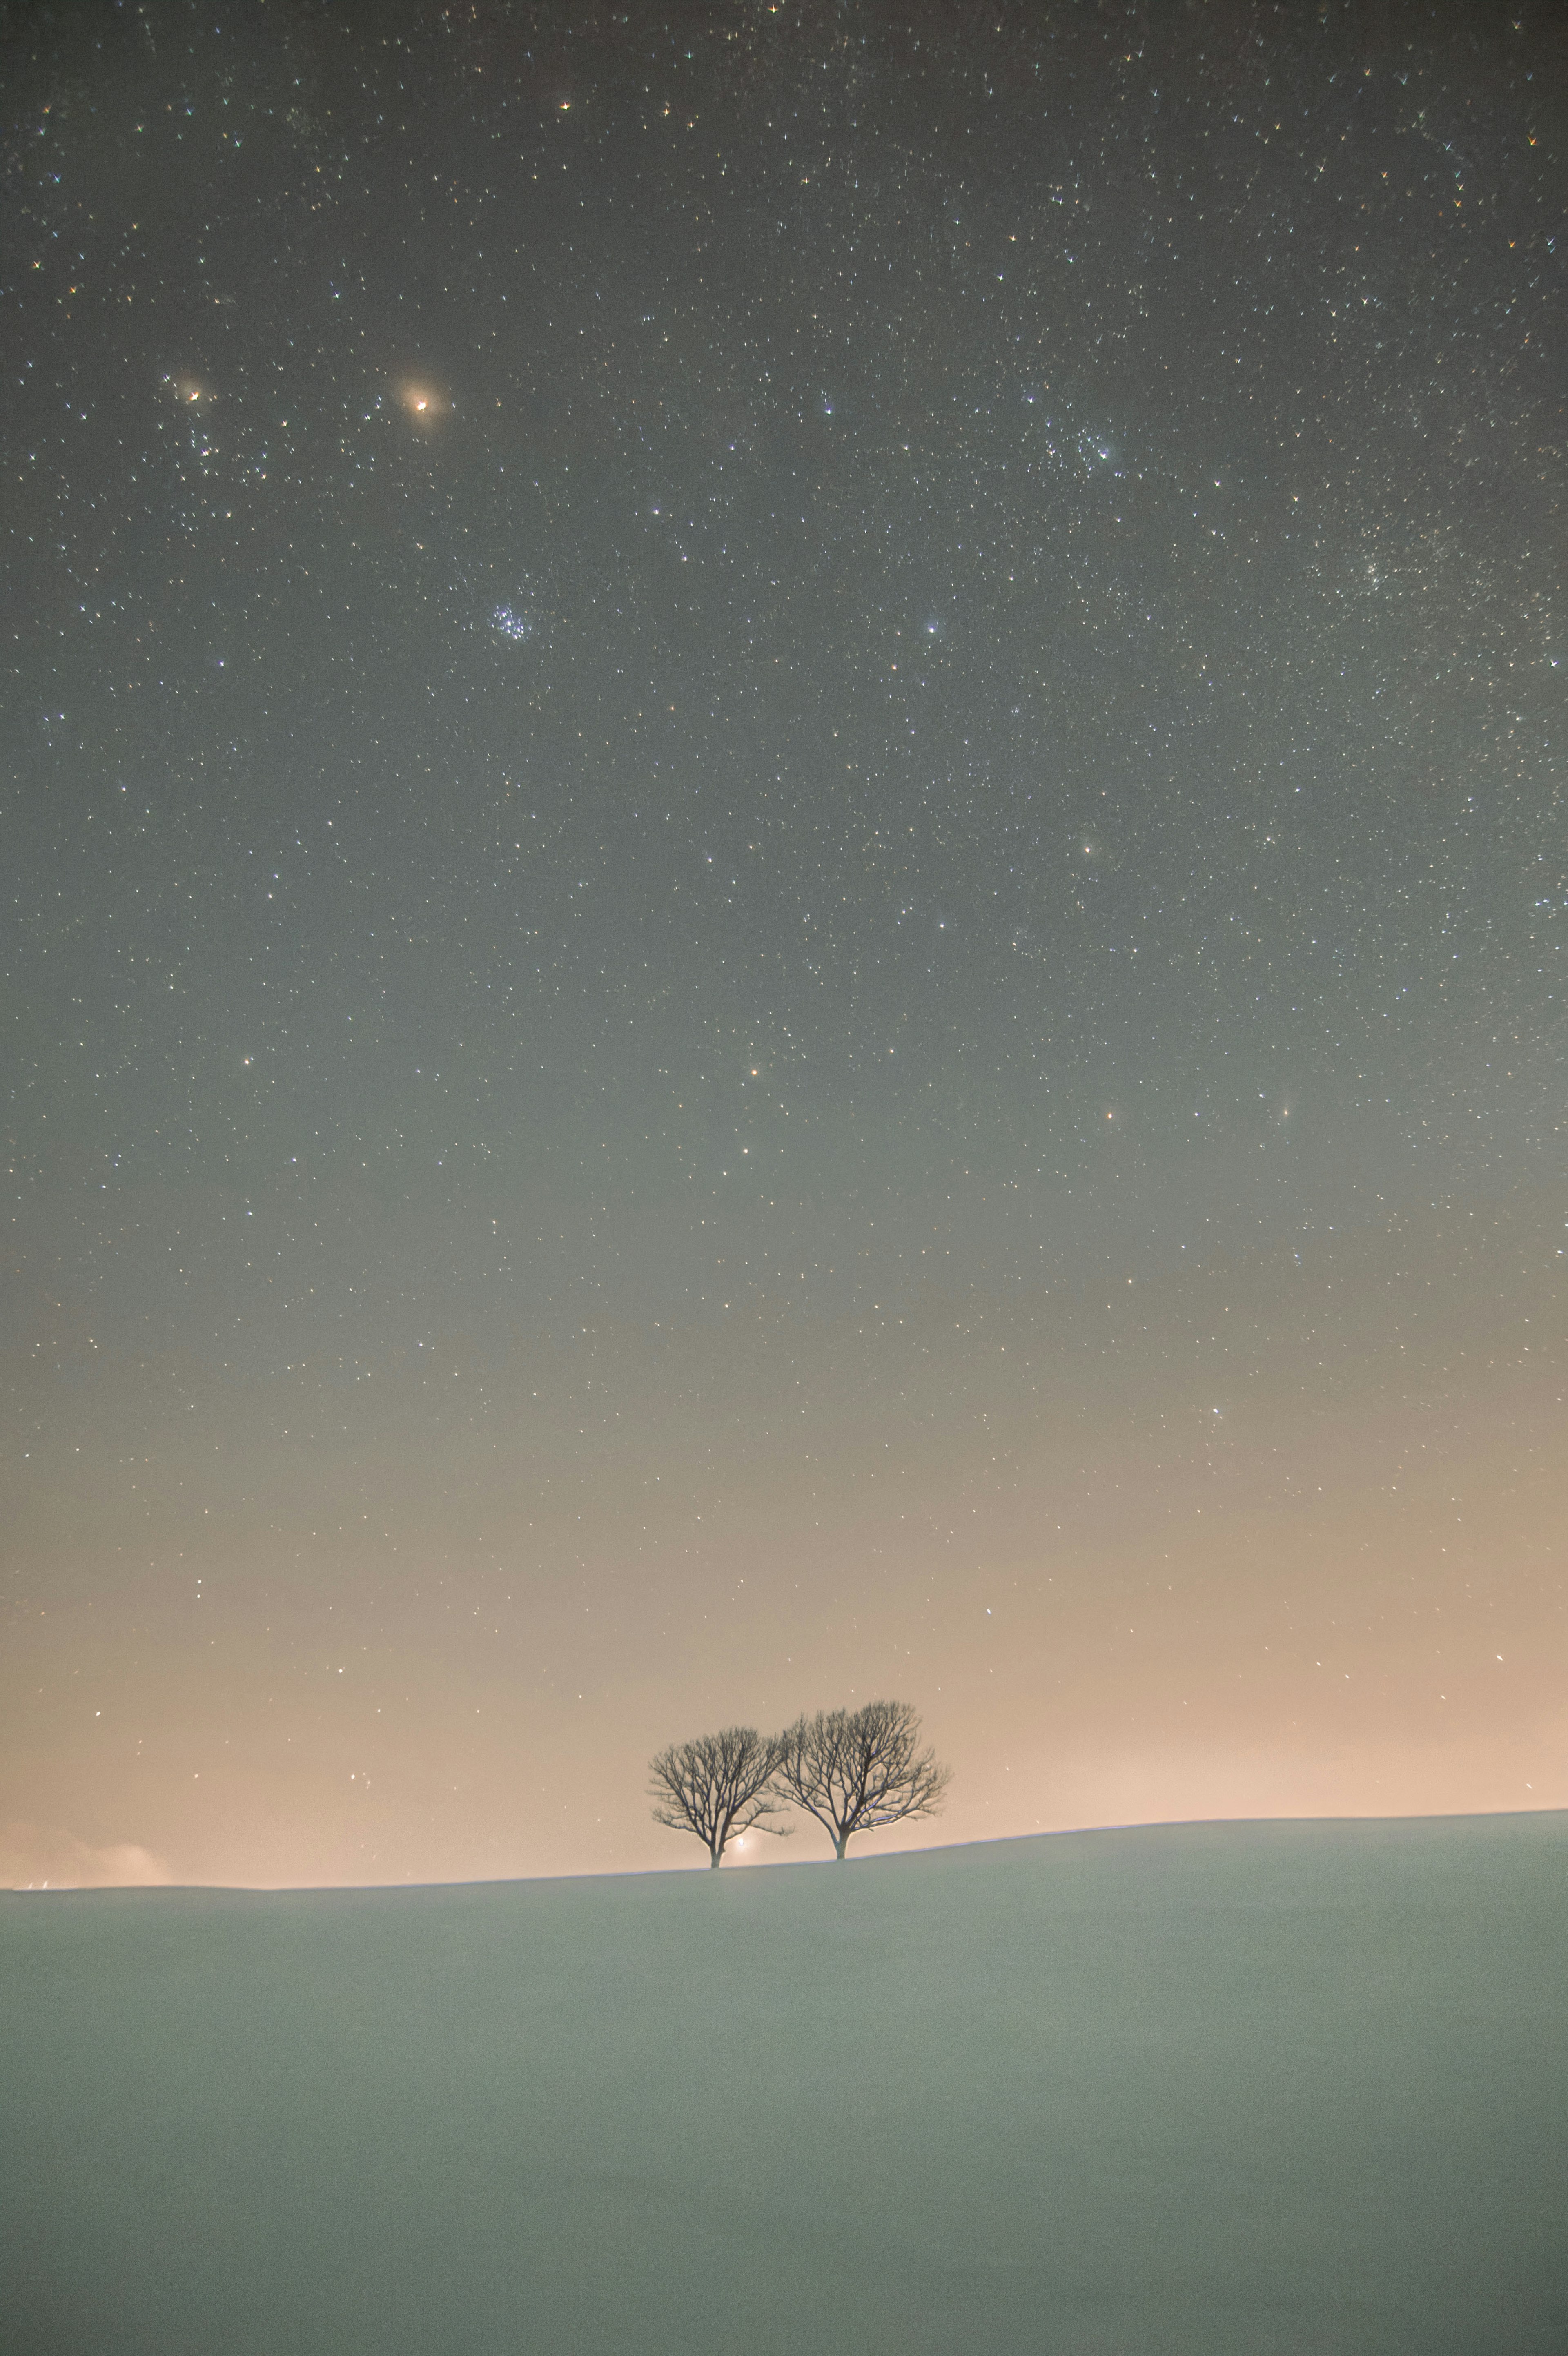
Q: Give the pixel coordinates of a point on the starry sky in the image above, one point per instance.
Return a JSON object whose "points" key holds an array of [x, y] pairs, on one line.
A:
{"points": [[784, 912]]}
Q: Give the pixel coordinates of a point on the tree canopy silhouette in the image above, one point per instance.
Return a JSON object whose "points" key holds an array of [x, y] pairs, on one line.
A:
{"points": [[718, 1785], [856, 1771]]}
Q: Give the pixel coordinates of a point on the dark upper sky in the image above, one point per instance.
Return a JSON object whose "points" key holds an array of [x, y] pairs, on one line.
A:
{"points": [[784, 876]]}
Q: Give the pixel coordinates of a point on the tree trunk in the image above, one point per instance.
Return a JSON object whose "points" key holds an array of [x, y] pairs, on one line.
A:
{"points": [[717, 1857], [840, 1845]]}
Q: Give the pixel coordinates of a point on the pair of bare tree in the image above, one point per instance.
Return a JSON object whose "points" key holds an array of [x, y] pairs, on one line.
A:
{"points": [[854, 1771]]}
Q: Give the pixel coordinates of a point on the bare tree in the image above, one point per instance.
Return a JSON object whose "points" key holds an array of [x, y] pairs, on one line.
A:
{"points": [[718, 1785], [856, 1771]]}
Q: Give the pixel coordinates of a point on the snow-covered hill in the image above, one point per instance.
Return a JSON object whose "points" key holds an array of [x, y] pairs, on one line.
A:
{"points": [[1213, 2090]]}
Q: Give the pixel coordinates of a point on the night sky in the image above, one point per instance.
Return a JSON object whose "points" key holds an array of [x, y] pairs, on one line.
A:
{"points": [[783, 892]]}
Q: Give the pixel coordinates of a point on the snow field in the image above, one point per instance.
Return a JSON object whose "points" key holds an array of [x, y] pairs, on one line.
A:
{"points": [[1208, 2090]]}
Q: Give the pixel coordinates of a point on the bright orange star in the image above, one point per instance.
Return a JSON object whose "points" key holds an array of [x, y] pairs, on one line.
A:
{"points": [[424, 402]]}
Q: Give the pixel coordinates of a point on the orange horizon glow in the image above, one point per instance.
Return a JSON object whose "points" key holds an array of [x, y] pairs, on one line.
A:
{"points": [[1110, 1603]]}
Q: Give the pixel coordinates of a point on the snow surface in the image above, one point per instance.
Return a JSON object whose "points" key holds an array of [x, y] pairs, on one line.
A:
{"points": [[1205, 2089]]}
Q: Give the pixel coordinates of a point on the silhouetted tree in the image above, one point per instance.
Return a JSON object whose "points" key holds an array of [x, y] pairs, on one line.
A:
{"points": [[718, 1785], [856, 1771]]}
